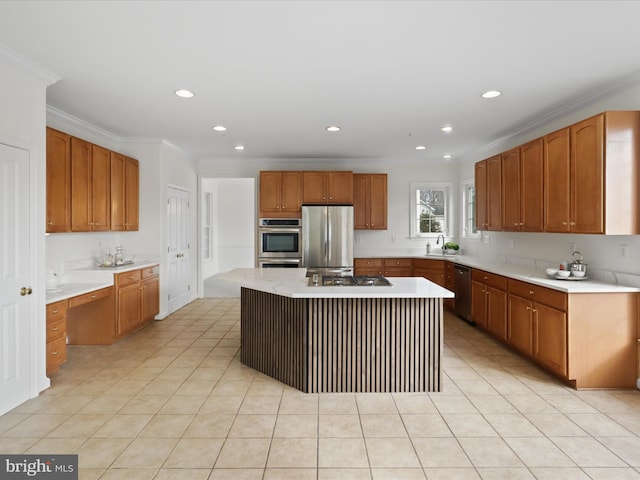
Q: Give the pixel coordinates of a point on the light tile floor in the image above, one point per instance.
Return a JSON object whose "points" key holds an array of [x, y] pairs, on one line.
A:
{"points": [[173, 402]]}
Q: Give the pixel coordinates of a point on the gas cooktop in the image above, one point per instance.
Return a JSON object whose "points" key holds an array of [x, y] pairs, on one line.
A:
{"points": [[350, 281]]}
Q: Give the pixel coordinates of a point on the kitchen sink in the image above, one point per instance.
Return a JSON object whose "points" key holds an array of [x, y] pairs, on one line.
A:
{"points": [[350, 281]]}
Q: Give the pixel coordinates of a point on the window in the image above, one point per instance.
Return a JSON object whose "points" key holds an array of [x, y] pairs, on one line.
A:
{"points": [[469, 214], [206, 227], [430, 209]]}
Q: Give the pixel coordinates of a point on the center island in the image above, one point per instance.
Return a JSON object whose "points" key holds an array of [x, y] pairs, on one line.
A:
{"points": [[341, 338]]}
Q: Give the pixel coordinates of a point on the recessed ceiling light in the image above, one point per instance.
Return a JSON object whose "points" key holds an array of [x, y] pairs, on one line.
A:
{"points": [[446, 157], [239, 147], [491, 94], [184, 93], [220, 128], [447, 129], [421, 147], [333, 128]]}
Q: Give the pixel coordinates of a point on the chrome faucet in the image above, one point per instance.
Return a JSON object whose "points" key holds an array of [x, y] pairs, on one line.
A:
{"points": [[438, 242]]}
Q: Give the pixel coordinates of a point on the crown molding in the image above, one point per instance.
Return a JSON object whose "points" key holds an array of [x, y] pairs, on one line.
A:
{"points": [[70, 119], [12, 57], [576, 104]]}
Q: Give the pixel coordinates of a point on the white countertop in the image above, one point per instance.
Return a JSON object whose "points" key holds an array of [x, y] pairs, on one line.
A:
{"points": [[81, 281], [528, 274], [291, 282]]}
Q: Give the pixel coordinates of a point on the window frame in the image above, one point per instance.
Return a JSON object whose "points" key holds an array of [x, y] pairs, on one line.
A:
{"points": [[466, 216], [447, 187]]}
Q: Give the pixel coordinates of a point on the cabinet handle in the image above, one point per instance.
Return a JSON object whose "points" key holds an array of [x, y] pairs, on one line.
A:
{"points": [[54, 329], [564, 223], [534, 310], [54, 353], [93, 297], [131, 277], [516, 224], [530, 292], [55, 312], [49, 223], [528, 307], [572, 223], [485, 278]]}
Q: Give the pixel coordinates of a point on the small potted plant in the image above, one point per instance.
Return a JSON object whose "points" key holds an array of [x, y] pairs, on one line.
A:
{"points": [[451, 248]]}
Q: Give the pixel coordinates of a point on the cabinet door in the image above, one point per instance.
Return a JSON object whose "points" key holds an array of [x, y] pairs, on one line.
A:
{"points": [[550, 337], [532, 187], [340, 187], [315, 187], [377, 201], [587, 176], [479, 303], [361, 198], [494, 193], [58, 181], [132, 194], [129, 305], [481, 195], [520, 331], [81, 153], [511, 182], [497, 312], [557, 181], [433, 275], [291, 193], [117, 165], [270, 189], [100, 189], [150, 298]]}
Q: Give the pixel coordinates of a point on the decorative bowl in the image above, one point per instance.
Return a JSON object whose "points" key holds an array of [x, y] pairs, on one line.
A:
{"points": [[578, 273], [450, 251], [564, 273], [551, 271]]}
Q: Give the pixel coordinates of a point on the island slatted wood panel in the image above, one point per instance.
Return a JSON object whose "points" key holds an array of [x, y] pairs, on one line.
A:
{"points": [[344, 344]]}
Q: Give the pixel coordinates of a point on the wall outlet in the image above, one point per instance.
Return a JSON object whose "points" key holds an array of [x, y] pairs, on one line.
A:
{"points": [[486, 238], [511, 243], [394, 239], [624, 251]]}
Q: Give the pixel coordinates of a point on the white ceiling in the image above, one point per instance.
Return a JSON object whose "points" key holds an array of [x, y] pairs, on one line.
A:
{"points": [[276, 73]]}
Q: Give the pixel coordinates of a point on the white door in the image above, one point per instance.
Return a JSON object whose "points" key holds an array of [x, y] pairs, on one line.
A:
{"points": [[15, 291], [178, 248]]}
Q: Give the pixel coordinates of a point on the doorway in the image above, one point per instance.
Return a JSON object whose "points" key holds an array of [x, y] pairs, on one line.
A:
{"points": [[228, 230]]}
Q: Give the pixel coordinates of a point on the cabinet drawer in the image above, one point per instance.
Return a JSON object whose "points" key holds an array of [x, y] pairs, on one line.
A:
{"points": [[491, 279], [56, 353], [56, 329], [56, 310], [89, 297], [427, 263], [398, 262], [125, 278], [150, 271], [548, 296], [367, 262]]}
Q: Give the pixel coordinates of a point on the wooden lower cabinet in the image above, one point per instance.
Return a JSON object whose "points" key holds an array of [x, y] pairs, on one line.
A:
{"points": [[398, 267], [520, 324], [56, 335], [368, 266], [489, 302], [550, 337], [137, 298]]}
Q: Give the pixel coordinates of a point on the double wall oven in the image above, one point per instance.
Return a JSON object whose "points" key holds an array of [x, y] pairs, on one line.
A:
{"points": [[279, 243]]}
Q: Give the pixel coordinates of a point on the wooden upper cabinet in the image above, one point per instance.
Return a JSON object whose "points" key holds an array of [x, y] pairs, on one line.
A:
{"points": [[522, 188], [58, 181], [328, 187], [511, 190], [132, 194], [125, 178], [591, 179], [370, 201], [280, 194], [557, 174], [90, 187], [489, 194]]}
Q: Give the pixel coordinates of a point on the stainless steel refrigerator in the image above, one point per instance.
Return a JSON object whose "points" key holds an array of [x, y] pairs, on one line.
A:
{"points": [[327, 239]]}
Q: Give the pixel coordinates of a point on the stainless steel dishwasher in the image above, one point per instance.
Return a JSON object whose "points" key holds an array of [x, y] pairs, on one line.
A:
{"points": [[463, 292]]}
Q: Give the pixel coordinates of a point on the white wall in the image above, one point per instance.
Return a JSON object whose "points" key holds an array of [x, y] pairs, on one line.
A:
{"points": [[22, 125]]}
